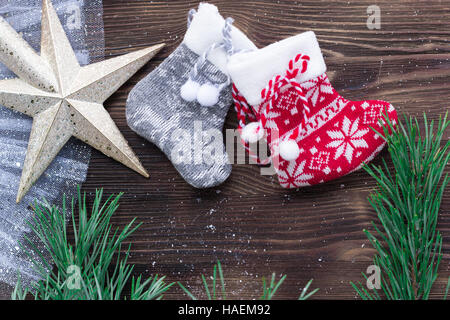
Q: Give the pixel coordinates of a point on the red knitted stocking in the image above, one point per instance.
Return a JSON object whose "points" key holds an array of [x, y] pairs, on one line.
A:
{"points": [[315, 135]]}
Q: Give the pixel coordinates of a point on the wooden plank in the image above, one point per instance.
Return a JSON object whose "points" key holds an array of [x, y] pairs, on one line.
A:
{"points": [[251, 224]]}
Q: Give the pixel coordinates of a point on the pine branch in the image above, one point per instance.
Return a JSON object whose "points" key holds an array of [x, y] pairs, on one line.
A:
{"points": [[407, 202], [85, 270], [268, 290]]}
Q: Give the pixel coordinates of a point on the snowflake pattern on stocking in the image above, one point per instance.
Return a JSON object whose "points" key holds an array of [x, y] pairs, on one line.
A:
{"points": [[289, 102], [317, 88], [320, 161], [294, 175], [347, 139], [271, 117], [371, 114]]}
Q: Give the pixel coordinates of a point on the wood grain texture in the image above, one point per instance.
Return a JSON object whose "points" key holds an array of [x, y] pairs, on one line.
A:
{"points": [[250, 223]]}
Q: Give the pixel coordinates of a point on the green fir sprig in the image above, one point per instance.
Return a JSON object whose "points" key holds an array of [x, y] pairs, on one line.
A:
{"points": [[269, 289], [92, 267], [407, 201]]}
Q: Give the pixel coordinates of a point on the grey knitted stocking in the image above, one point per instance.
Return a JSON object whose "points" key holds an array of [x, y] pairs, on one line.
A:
{"points": [[181, 105], [182, 130]]}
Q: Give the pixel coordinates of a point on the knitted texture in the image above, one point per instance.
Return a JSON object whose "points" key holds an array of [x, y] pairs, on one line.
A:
{"points": [[156, 111], [332, 134]]}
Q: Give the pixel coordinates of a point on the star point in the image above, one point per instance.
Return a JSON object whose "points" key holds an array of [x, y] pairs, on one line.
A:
{"points": [[64, 98]]}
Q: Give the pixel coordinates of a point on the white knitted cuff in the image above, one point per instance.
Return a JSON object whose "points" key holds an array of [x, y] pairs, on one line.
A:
{"points": [[252, 71], [206, 29]]}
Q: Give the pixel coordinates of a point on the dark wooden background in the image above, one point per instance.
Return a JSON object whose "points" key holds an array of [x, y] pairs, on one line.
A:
{"points": [[252, 225]]}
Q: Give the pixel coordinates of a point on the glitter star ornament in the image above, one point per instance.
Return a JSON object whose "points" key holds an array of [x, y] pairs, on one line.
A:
{"points": [[64, 98]]}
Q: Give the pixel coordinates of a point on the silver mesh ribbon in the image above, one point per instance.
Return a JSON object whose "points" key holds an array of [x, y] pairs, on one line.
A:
{"points": [[83, 23]]}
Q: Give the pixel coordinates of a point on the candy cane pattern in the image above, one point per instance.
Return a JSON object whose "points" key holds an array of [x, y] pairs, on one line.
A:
{"points": [[243, 111], [270, 95]]}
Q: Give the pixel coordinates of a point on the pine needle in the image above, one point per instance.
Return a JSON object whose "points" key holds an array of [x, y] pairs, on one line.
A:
{"points": [[407, 202], [85, 269], [269, 291], [305, 295]]}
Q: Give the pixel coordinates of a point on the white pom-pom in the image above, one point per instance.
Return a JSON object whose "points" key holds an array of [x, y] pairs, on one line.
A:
{"points": [[252, 132], [208, 95], [189, 90], [289, 150]]}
